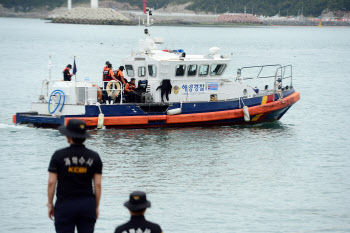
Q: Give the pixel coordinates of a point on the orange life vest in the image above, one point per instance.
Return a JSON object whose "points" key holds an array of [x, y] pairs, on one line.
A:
{"points": [[107, 74], [130, 87], [119, 75]]}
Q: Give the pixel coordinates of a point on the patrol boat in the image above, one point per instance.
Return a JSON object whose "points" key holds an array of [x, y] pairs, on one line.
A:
{"points": [[174, 89]]}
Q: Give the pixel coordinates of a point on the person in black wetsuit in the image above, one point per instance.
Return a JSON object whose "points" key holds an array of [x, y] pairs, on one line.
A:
{"points": [[137, 205], [165, 88]]}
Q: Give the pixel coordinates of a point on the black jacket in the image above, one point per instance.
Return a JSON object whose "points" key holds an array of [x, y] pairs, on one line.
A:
{"points": [[139, 222]]}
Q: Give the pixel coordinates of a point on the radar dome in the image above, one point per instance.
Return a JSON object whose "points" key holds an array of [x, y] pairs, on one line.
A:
{"points": [[214, 50]]}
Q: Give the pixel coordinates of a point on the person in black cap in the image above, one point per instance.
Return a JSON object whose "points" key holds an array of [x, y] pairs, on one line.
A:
{"points": [[74, 169], [137, 205], [67, 76]]}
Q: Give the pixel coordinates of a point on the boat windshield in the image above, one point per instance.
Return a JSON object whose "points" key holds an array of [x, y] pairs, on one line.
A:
{"points": [[192, 70], [129, 70], [180, 70], [203, 70], [142, 71], [152, 70], [217, 69]]}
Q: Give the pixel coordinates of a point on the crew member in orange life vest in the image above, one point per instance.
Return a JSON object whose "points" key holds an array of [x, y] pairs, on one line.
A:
{"points": [[67, 76], [130, 87], [108, 73], [120, 75], [129, 91], [106, 67]]}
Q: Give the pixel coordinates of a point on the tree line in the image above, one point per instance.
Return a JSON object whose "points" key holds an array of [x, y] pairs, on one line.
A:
{"points": [[272, 7], [260, 7]]}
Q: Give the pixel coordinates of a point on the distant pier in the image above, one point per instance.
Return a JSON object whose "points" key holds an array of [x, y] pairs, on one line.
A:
{"points": [[101, 16]]}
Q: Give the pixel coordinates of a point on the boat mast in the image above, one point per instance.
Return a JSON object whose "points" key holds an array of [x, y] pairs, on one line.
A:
{"points": [[148, 23]]}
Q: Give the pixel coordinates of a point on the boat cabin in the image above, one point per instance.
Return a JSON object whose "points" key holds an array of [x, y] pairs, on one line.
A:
{"points": [[188, 77]]}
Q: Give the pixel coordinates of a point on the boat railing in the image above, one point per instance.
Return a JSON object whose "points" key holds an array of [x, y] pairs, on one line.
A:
{"points": [[277, 73], [47, 85], [286, 73], [113, 88]]}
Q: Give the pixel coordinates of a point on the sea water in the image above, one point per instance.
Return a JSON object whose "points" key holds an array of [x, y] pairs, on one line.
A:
{"points": [[287, 176]]}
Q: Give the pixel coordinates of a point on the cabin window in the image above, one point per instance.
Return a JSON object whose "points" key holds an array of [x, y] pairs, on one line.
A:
{"points": [[217, 69], [129, 70], [180, 70], [152, 70], [192, 70], [142, 71], [203, 70]]}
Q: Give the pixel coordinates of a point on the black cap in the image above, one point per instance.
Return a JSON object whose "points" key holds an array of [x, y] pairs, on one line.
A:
{"points": [[74, 129], [69, 66], [137, 201], [121, 68], [107, 63]]}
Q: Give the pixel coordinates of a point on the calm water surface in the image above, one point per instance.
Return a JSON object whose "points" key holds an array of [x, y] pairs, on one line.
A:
{"points": [[287, 176]]}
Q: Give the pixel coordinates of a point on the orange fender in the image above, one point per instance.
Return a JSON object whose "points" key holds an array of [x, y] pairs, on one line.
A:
{"points": [[127, 120], [157, 118], [89, 121], [121, 120]]}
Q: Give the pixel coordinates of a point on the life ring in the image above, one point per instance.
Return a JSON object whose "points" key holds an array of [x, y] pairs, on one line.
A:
{"points": [[110, 90], [99, 92]]}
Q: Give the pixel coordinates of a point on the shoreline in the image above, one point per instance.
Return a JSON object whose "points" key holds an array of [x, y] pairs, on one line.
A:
{"points": [[178, 24]]}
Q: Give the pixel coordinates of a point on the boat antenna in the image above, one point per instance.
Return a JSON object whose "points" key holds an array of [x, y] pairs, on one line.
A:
{"points": [[148, 23], [50, 67]]}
